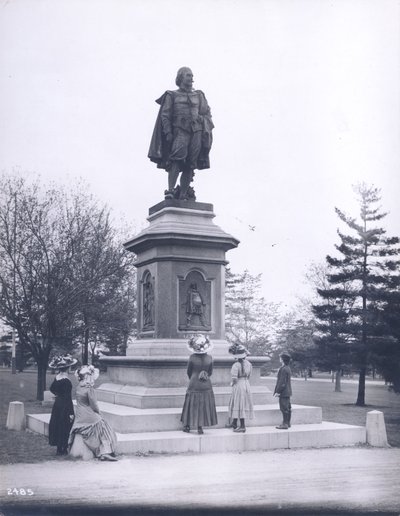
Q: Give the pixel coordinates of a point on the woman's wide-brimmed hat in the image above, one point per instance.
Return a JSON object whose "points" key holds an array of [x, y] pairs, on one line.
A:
{"points": [[62, 362], [239, 351], [87, 370], [199, 344]]}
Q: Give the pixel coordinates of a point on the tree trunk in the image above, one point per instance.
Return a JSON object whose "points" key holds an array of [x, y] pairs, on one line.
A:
{"points": [[41, 378], [21, 361], [361, 388], [85, 350], [338, 385]]}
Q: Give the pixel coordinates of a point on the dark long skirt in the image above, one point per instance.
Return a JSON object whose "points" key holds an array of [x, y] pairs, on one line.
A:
{"points": [[199, 409], [60, 424]]}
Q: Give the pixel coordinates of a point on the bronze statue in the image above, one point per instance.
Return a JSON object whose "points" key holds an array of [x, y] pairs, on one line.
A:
{"points": [[148, 303], [182, 136], [194, 305]]}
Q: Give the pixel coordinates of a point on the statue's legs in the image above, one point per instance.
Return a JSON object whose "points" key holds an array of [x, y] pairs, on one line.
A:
{"points": [[186, 179], [173, 174], [193, 150], [184, 153]]}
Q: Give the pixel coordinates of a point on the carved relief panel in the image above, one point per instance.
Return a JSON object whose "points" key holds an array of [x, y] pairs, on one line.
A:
{"points": [[194, 302], [147, 302]]}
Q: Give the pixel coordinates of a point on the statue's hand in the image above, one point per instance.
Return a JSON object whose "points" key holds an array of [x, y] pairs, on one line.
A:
{"points": [[168, 137]]}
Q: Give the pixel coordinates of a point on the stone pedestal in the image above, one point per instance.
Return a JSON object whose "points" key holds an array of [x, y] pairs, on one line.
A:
{"points": [[181, 291], [16, 416], [376, 429]]}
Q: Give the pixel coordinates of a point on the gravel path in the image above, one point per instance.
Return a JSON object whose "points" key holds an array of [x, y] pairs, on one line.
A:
{"points": [[311, 481]]}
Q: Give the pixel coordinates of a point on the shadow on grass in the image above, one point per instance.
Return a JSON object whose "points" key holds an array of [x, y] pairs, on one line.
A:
{"points": [[370, 407]]}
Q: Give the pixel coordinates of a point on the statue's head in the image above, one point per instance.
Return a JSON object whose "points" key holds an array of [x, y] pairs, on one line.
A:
{"points": [[184, 75]]}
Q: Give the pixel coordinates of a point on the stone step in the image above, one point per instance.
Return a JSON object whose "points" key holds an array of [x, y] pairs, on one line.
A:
{"points": [[256, 438], [314, 435], [132, 420], [129, 419], [168, 397]]}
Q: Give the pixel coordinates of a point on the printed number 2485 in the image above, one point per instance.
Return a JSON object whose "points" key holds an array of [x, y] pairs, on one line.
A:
{"points": [[19, 491]]}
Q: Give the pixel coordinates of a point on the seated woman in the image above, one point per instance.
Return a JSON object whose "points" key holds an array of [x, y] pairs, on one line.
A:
{"points": [[90, 432]]}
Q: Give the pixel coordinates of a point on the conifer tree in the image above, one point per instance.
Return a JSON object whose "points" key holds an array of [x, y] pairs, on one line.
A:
{"points": [[351, 319]]}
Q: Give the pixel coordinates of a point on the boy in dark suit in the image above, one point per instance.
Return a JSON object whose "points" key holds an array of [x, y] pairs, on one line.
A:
{"points": [[283, 389]]}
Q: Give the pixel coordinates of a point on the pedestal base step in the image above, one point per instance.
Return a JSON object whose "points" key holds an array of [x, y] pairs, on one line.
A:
{"points": [[315, 435], [256, 438], [132, 420], [167, 397]]}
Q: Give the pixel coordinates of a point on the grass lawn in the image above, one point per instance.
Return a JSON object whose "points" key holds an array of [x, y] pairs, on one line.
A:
{"points": [[340, 407], [27, 447]]}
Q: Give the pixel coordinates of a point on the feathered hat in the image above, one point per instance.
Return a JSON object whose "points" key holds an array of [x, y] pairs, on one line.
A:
{"points": [[87, 370], [238, 351], [62, 362], [199, 344]]}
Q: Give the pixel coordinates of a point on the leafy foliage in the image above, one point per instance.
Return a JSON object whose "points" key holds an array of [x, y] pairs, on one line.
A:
{"points": [[249, 319], [62, 264]]}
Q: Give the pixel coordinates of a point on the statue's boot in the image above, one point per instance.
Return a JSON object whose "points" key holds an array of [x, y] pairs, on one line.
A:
{"points": [[186, 178]]}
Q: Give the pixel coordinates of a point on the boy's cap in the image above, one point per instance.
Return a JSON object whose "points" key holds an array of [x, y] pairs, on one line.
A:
{"points": [[285, 355]]}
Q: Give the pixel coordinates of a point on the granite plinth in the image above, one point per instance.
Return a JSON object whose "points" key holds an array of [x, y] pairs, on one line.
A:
{"points": [[16, 416], [376, 429], [215, 440], [170, 371]]}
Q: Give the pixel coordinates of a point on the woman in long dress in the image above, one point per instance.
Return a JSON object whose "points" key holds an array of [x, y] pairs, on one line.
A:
{"points": [[62, 413], [241, 403], [90, 431], [199, 405]]}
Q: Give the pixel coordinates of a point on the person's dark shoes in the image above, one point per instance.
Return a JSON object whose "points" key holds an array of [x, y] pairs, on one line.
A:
{"points": [[108, 457], [230, 425], [282, 427], [200, 430], [186, 429], [240, 430]]}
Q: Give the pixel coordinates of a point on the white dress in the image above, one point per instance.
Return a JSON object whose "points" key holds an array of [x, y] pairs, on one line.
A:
{"points": [[241, 403], [90, 435]]}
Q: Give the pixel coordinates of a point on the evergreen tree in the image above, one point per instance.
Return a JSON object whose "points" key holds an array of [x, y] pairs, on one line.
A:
{"points": [[352, 318], [332, 317], [297, 337], [387, 352]]}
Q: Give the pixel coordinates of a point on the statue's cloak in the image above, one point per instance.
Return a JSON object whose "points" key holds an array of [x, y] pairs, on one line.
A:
{"points": [[159, 147]]}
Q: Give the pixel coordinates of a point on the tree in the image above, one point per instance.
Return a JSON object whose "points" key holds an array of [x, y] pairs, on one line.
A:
{"points": [[57, 251], [249, 319], [351, 319], [386, 354], [296, 335], [331, 316]]}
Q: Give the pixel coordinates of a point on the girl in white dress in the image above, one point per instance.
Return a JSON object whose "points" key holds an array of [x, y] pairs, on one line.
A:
{"points": [[240, 403]]}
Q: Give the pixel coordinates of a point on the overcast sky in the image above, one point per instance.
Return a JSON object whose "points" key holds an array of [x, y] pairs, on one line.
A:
{"points": [[305, 98]]}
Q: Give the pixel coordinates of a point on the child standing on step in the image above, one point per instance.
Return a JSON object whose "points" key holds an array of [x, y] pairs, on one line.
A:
{"points": [[283, 389], [241, 403]]}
